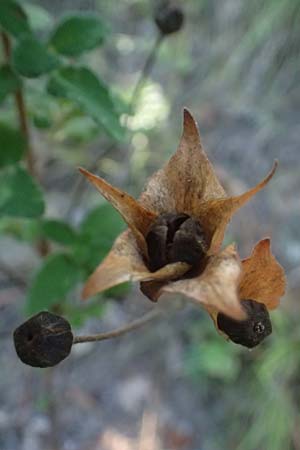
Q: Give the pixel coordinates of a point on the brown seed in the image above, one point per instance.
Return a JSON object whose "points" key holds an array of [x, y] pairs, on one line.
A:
{"points": [[44, 340], [175, 238]]}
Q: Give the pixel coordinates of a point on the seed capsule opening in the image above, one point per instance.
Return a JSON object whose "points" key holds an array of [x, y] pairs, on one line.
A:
{"points": [[249, 332], [175, 238]]}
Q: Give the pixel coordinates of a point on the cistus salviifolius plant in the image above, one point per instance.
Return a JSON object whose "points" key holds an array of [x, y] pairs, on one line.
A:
{"points": [[173, 244]]}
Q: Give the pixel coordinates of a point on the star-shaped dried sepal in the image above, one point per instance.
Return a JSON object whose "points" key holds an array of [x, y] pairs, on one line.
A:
{"points": [[176, 229]]}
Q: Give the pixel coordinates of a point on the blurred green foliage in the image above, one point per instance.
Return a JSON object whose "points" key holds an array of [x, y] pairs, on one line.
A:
{"points": [[69, 102], [61, 87]]}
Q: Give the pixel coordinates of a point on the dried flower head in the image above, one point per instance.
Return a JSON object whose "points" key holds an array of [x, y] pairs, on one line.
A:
{"points": [[175, 233]]}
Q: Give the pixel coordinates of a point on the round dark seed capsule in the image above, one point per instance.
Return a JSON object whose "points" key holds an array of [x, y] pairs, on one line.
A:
{"points": [[169, 19], [44, 340], [249, 332]]}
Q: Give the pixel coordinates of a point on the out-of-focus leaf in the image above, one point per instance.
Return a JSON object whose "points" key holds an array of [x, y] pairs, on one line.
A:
{"points": [[97, 234], [38, 17], [20, 196], [59, 231], [117, 291], [41, 121], [13, 18], [31, 58], [27, 230], [78, 33], [78, 315], [9, 82], [57, 276], [78, 129], [81, 86], [12, 145], [103, 223], [213, 359]]}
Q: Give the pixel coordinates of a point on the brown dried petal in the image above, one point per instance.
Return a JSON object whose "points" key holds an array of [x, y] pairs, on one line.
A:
{"points": [[216, 287], [123, 263], [186, 179], [214, 215], [263, 277], [135, 215]]}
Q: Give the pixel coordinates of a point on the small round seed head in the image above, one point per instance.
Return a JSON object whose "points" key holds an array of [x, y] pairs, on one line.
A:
{"points": [[44, 340], [249, 332], [169, 19]]}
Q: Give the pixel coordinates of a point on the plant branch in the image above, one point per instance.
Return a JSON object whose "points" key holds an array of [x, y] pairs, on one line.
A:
{"points": [[155, 313], [148, 66], [21, 110], [42, 245], [81, 184]]}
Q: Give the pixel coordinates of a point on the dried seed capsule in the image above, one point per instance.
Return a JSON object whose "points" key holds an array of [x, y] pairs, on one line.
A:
{"points": [[169, 19], [249, 332], [44, 340], [175, 238]]}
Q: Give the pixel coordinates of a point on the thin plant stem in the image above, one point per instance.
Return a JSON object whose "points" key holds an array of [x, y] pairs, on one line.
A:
{"points": [[80, 185], [21, 110], [148, 66], [42, 245], [135, 324]]}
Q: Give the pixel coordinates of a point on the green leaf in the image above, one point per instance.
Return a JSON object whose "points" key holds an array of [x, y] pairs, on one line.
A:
{"points": [[77, 315], [81, 86], [59, 231], [9, 82], [13, 18], [12, 145], [31, 58], [97, 234], [215, 359], [38, 17], [103, 223], [20, 196], [78, 129], [57, 276], [78, 33], [23, 229], [118, 291]]}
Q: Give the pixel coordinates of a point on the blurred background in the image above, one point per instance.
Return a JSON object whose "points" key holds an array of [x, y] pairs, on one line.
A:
{"points": [[112, 103]]}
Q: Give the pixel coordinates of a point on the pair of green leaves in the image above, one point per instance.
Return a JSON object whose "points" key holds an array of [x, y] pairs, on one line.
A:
{"points": [[73, 36], [85, 248]]}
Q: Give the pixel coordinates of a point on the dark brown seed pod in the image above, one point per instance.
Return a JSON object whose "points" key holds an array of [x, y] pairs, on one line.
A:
{"points": [[44, 340], [169, 19], [175, 238], [249, 332]]}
